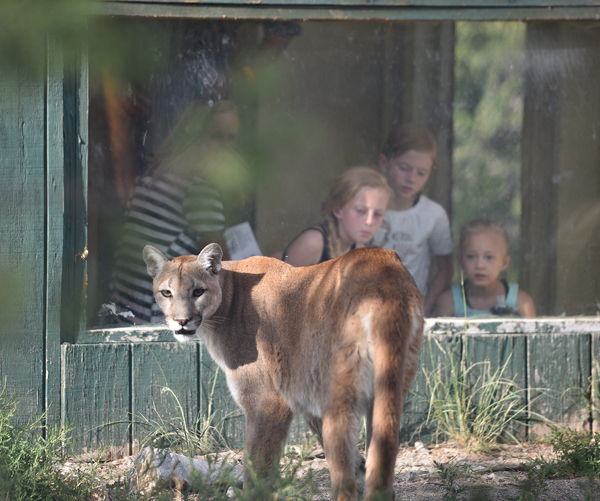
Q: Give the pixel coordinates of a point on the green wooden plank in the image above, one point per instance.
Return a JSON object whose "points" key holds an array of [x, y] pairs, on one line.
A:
{"points": [[504, 356], [95, 395], [436, 354], [120, 334], [595, 382], [76, 188], [488, 4], [165, 387], [260, 11], [573, 325], [22, 230], [55, 207], [558, 375]]}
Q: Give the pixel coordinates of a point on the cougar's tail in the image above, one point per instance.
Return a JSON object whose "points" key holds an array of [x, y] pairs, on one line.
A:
{"points": [[397, 336]]}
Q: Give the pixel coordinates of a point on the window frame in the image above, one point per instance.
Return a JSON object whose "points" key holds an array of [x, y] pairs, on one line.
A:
{"points": [[74, 323]]}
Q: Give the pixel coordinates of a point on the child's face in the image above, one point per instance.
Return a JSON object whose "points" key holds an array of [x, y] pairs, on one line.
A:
{"points": [[359, 219], [483, 258], [407, 173], [223, 130]]}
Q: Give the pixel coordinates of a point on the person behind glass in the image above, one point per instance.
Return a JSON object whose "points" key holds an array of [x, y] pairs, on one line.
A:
{"points": [[352, 212], [174, 206], [483, 256], [413, 225]]}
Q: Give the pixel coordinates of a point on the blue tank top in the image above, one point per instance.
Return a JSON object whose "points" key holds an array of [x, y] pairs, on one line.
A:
{"points": [[459, 301]]}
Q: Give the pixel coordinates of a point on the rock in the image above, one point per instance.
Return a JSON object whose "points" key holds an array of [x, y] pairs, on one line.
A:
{"points": [[421, 448], [233, 491], [159, 469]]}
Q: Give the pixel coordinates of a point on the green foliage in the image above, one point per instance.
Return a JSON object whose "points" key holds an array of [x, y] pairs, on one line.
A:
{"points": [[470, 403], [576, 454], [29, 453], [488, 116], [450, 473], [284, 484], [25, 26]]}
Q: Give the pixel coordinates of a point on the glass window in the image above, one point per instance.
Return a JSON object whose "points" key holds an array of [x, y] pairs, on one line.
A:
{"points": [[200, 125]]}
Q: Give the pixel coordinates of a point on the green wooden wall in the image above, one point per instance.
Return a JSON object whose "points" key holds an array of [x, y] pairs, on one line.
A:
{"points": [[23, 229], [95, 378], [115, 379]]}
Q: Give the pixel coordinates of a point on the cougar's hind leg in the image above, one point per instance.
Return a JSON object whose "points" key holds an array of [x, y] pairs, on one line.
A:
{"points": [[316, 426], [267, 426], [340, 435], [387, 410]]}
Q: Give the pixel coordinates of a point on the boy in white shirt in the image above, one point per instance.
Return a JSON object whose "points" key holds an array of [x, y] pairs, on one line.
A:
{"points": [[413, 225]]}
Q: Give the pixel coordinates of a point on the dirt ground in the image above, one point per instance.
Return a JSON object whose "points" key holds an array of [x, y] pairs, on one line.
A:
{"points": [[496, 476]]}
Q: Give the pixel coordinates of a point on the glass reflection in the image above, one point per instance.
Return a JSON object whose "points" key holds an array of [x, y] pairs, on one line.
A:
{"points": [[514, 108]]}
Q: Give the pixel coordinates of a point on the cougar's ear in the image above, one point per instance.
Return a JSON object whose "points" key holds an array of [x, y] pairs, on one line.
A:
{"points": [[210, 258], [155, 260]]}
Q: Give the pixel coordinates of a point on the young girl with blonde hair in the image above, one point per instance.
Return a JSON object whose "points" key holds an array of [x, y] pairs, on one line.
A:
{"points": [[483, 256], [352, 214]]}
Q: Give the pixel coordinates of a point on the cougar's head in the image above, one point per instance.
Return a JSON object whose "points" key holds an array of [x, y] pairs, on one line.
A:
{"points": [[186, 288]]}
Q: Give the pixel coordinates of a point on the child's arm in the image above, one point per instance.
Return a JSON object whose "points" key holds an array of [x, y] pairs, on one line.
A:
{"points": [[525, 306], [305, 249], [441, 282], [445, 304]]}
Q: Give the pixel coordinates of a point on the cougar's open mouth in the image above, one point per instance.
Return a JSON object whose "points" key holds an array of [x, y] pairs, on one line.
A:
{"points": [[185, 332]]}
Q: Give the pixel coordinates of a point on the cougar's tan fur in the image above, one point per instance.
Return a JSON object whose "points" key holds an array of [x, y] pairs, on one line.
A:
{"points": [[327, 341]]}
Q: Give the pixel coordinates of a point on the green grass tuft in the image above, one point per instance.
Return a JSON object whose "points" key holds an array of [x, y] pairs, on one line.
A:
{"points": [[30, 453], [472, 404]]}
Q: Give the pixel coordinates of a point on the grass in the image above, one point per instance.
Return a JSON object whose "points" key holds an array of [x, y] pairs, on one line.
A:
{"points": [[285, 482], [577, 455], [449, 474], [201, 436], [29, 454], [472, 404]]}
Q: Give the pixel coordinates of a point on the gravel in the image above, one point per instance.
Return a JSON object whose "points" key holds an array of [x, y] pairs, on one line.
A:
{"points": [[494, 476]]}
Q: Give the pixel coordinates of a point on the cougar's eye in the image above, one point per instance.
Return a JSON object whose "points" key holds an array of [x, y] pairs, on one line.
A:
{"points": [[166, 293], [199, 292]]}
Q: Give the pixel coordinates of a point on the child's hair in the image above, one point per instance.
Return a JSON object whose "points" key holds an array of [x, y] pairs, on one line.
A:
{"points": [[479, 225], [406, 137], [344, 189]]}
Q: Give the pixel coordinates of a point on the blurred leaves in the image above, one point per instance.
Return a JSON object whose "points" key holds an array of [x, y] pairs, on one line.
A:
{"points": [[488, 114], [25, 25]]}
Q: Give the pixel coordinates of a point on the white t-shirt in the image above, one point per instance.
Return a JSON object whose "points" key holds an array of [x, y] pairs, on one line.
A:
{"points": [[415, 234]]}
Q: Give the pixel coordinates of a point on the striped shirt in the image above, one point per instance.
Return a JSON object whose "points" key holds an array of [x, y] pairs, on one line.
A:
{"points": [[172, 214]]}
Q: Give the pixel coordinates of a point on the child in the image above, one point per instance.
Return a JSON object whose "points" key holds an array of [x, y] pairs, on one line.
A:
{"points": [[483, 255], [352, 212], [415, 226]]}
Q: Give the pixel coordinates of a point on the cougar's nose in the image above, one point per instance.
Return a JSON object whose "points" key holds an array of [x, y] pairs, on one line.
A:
{"points": [[182, 321]]}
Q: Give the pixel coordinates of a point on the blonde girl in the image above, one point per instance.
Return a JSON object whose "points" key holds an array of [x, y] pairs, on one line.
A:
{"points": [[483, 256], [352, 214]]}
